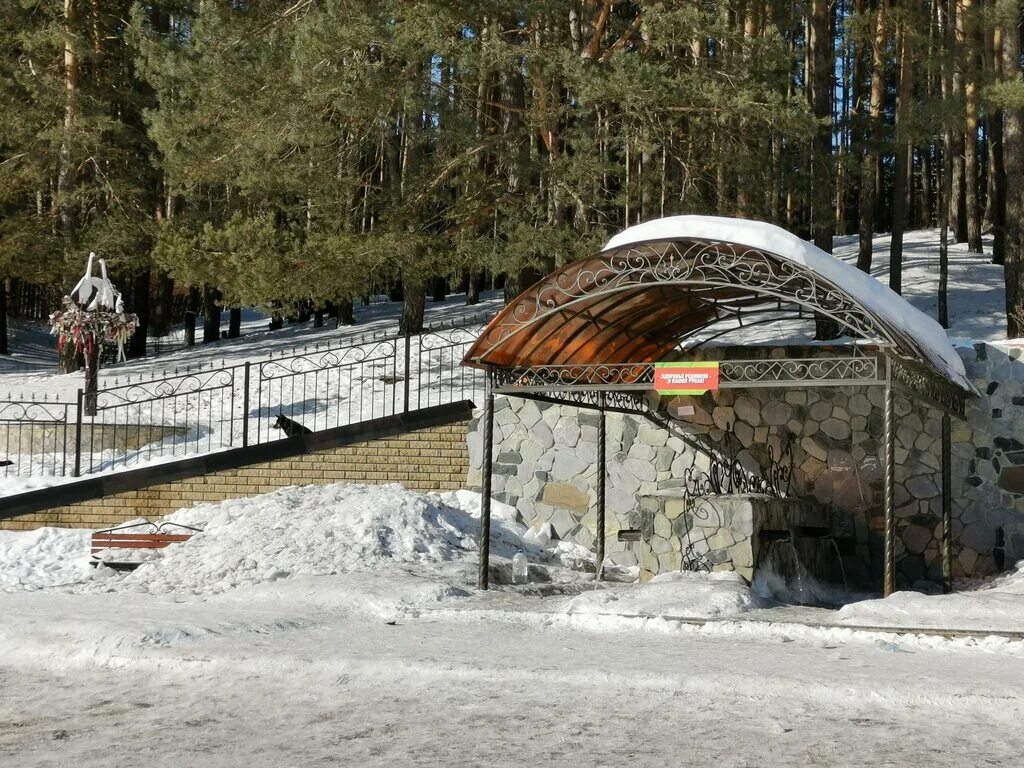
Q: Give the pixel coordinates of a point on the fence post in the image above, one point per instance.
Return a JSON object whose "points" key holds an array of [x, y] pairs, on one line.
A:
{"points": [[408, 345], [245, 407], [78, 436]]}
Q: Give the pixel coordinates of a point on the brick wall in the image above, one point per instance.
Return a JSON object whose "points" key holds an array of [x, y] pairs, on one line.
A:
{"points": [[434, 458]]}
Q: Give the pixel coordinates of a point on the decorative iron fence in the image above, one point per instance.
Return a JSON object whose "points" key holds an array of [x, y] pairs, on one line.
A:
{"points": [[197, 411], [37, 437]]}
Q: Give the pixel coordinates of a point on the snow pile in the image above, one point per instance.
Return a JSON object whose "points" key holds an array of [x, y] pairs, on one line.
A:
{"points": [[676, 594], [297, 531], [43, 558], [997, 605], [312, 530], [330, 530]]}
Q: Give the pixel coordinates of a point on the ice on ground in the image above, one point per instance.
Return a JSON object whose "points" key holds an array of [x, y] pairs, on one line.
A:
{"points": [[675, 594], [997, 605]]}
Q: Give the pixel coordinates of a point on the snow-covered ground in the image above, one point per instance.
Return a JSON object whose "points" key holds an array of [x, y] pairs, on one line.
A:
{"points": [[977, 297], [341, 626]]}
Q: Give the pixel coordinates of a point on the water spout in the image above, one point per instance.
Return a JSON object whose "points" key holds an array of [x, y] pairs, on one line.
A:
{"points": [[839, 560], [797, 567]]}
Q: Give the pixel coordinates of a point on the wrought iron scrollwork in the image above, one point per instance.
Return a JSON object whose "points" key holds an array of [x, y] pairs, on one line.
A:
{"points": [[728, 475], [811, 370], [697, 562], [33, 411], [696, 547], [184, 384], [321, 361], [447, 337], [808, 371], [921, 381], [555, 377], [700, 264]]}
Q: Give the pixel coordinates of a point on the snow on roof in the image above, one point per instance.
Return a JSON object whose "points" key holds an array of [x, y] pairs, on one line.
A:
{"points": [[919, 329]]}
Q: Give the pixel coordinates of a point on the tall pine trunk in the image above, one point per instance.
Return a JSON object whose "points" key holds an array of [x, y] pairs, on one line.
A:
{"points": [[948, 151], [140, 305], [474, 286], [1013, 161], [345, 313], [211, 315], [904, 162], [163, 306], [66, 176], [957, 210], [966, 17], [869, 170], [4, 348], [439, 289], [191, 311], [413, 301], [821, 60], [996, 203]]}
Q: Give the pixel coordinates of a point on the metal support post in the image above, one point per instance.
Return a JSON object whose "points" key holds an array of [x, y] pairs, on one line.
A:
{"points": [[947, 507], [600, 485], [889, 576], [485, 491], [408, 348], [78, 436], [245, 407]]}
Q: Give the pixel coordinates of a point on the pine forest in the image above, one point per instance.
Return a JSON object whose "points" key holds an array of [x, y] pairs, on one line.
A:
{"points": [[300, 156]]}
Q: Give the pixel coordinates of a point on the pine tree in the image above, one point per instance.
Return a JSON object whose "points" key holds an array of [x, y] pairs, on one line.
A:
{"points": [[1011, 96]]}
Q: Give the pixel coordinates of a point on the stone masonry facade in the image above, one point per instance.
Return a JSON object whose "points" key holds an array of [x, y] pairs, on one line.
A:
{"points": [[429, 459], [545, 465]]}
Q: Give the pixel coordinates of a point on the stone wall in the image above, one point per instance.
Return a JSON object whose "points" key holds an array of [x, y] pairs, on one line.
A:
{"points": [[545, 464], [434, 458]]}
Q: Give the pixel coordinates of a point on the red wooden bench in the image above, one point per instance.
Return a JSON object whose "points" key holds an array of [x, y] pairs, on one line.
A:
{"points": [[143, 535]]}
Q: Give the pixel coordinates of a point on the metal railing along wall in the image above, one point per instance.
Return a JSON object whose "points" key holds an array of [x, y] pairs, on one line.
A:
{"points": [[197, 411]]}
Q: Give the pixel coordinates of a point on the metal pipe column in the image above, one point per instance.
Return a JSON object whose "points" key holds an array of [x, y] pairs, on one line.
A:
{"points": [[485, 491], [889, 576], [600, 485], [947, 507]]}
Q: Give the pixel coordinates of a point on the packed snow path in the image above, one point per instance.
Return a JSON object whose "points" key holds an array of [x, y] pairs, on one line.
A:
{"points": [[264, 683]]}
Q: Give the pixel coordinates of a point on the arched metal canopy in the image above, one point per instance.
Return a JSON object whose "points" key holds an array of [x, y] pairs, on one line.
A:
{"points": [[641, 301], [590, 333]]}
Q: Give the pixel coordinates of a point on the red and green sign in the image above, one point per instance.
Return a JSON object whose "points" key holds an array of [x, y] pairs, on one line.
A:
{"points": [[685, 378]]}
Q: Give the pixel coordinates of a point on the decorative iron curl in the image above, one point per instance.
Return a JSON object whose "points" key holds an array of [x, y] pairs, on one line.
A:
{"points": [[697, 263], [695, 562], [801, 369], [557, 376], [186, 384], [447, 338], [322, 361], [29, 410], [727, 474], [691, 559]]}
